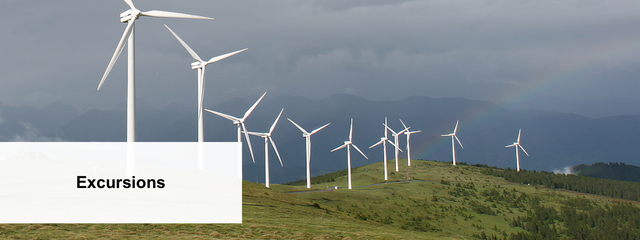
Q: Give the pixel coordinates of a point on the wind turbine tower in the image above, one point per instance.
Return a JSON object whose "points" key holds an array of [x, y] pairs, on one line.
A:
{"points": [[307, 136], [383, 141], [396, 137], [453, 142], [130, 16], [240, 123], [348, 145], [517, 145], [201, 65], [408, 133], [267, 139]]}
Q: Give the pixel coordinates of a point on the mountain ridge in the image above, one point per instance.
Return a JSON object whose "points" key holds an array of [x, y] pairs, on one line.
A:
{"points": [[555, 140]]}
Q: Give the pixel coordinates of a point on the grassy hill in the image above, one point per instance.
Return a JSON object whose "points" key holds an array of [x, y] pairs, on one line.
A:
{"points": [[429, 200]]}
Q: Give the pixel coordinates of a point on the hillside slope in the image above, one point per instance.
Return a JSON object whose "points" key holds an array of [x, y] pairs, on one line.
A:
{"points": [[428, 200]]}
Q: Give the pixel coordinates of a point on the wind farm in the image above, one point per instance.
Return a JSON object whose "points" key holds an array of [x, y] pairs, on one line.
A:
{"points": [[495, 73], [201, 65], [130, 16]]}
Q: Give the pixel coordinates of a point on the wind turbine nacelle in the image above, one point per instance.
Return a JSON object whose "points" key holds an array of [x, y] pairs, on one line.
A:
{"points": [[126, 16], [129, 15], [196, 65]]}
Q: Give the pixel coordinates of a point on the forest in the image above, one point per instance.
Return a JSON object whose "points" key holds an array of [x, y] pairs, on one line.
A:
{"points": [[603, 187]]}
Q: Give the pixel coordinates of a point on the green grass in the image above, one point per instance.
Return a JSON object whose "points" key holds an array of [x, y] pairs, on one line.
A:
{"points": [[441, 201]]}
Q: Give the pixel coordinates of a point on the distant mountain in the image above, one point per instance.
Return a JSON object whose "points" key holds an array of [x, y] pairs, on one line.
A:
{"points": [[554, 140], [590, 108], [612, 170], [31, 124]]}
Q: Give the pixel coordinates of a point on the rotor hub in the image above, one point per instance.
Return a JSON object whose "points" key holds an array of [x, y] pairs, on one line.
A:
{"points": [[126, 16], [196, 65]]}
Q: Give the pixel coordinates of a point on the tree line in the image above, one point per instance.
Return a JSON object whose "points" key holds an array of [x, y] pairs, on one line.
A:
{"points": [[597, 186]]}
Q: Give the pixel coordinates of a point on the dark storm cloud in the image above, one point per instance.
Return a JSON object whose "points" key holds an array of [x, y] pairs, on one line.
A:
{"points": [[377, 49]]}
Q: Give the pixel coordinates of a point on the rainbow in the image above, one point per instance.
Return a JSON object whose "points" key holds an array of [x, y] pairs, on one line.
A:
{"points": [[570, 69]]}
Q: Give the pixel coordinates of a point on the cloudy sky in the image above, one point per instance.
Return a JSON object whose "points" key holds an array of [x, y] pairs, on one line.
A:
{"points": [[498, 50]]}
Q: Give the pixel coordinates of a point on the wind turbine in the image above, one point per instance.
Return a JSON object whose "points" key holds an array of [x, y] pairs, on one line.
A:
{"points": [[130, 17], [348, 145], [453, 143], [408, 133], [307, 136], [517, 144], [201, 65], [267, 139], [383, 141], [396, 137], [240, 123]]}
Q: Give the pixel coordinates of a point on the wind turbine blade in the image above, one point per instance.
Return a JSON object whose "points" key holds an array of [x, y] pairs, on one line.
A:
{"points": [[318, 129], [404, 130], [338, 148], [378, 143], [275, 122], [232, 118], [116, 54], [356, 147], [165, 14], [184, 44], [130, 4], [298, 126], [511, 145], [525, 151], [455, 130], [276, 149], [417, 131], [351, 131], [392, 132], [456, 137], [218, 58], [246, 114], [519, 131], [405, 126], [385, 129], [246, 136], [392, 144], [256, 134], [447, 135]]}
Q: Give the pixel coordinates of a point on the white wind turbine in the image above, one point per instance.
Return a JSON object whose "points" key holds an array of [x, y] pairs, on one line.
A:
{"points": [[201, 65], [396, 137], [130, 17], [383, 141], [307, 136], [453, 143], [517, 144], [267, 139], [240, 123], [348, 145], [408, 133]]}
